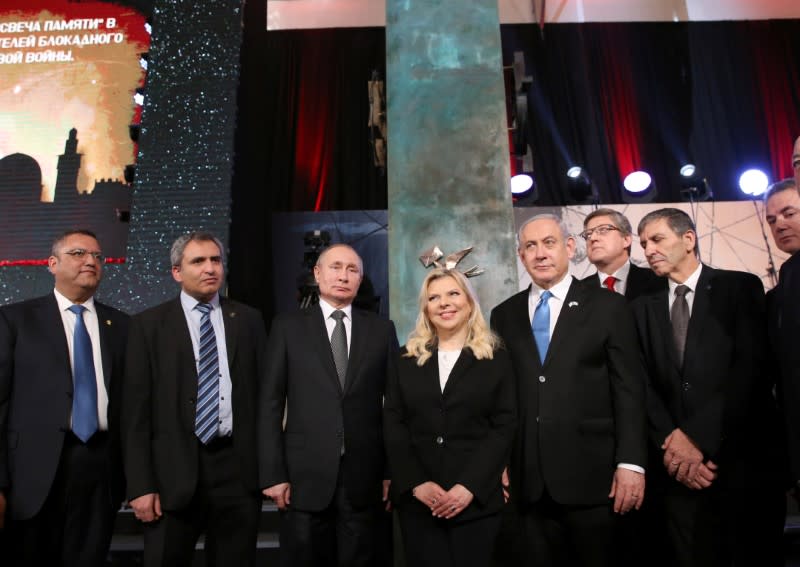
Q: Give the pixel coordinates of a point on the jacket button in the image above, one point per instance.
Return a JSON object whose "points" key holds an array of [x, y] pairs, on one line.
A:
{"points": [[542, 379], [686, 386], [439, 440]]}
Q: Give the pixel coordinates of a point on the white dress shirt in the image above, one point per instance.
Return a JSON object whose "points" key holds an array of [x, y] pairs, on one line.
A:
{"points": [[93, 327], [193, 318], [621, 276], [691, 283]]}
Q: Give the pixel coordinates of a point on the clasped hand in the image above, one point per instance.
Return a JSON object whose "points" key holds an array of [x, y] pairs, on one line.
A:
{"points": [[443, 503], [684, 461]]}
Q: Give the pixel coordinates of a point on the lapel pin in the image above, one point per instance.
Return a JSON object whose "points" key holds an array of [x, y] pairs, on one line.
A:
{"points": [[232, 314], [108, 322], [573, 304]]}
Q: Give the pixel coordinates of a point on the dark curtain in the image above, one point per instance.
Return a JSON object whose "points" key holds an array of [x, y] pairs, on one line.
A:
{"points": [[613, 97]]}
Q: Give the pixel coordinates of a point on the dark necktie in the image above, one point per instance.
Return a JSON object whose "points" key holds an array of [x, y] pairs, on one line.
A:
{"points": [[207, 412], [84, 395], [679, 315], [339, 345], [541, 324], [609, 282]]}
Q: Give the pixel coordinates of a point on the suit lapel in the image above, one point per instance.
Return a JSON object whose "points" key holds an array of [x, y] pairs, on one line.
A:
{"points": [[521, 325], [231, 331], [358, 345], [104, 324], [699, 316], [658, 308], [177, 327], [569, 319], [52, 325], [321, 344], [465, 360]]}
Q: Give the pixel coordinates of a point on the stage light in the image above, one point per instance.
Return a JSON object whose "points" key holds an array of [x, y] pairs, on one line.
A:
{"points": [[574, 172], [637, 182], [144, 58], [138, 97], [638, 187], [753, 182], [148, 28], [580, 186], [523, 190], [521, 184], [694, 187]]}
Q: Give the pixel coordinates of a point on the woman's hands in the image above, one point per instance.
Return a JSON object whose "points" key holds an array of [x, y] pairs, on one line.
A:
{"points": [[445, 504]]}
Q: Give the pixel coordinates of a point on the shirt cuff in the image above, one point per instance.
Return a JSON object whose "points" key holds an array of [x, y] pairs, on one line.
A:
{"points": [[630, 467]]}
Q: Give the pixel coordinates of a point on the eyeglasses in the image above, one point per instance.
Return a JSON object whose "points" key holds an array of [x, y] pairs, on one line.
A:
{"points": [[601, 230], [80, 253]]}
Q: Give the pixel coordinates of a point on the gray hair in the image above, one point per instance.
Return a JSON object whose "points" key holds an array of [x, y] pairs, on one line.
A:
{"points": [[779, 187], [565, 233], [617, 219], [179, 246], [678, 221]]}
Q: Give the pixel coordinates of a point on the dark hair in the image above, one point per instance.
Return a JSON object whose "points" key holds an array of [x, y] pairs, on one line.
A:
{"points": [[178, 247], [59, 240], [679, 222]]}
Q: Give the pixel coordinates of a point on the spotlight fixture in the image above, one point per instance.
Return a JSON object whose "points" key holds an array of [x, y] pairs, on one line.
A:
{"points": [[694, 187], [639, 188], [523, 190], [580, 186], [753, 182]]}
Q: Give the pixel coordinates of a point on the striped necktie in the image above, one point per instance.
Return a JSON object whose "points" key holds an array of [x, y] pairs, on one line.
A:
{"points": [[207, 413]]}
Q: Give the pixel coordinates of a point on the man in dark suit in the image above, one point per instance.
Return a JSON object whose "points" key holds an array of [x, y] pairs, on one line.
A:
{"points": [[710, 407], [608, 235], [61, 362], [579, 453], [327, 367], [782, 212], [189, 421]]}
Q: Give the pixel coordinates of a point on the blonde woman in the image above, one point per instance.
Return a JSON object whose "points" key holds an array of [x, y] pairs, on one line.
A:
{"points": [[449, 420]]}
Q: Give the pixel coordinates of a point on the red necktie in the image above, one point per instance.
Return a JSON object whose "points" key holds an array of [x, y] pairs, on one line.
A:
{"points": [[609, 282]]}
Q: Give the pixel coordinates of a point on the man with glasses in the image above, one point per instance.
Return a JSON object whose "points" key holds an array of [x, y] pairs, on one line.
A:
{"points": [[61, 360], [608, 237]]}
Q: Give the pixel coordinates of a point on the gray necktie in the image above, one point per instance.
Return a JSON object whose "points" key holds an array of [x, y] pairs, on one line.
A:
{"points": [[339, 345], [679, 315]]}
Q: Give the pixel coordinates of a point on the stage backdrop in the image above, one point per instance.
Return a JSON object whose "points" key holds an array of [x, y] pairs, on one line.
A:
{"points": [[68, 75]]}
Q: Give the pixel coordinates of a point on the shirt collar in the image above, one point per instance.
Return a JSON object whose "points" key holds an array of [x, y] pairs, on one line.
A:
{"points": [[559, 291], [327, 309], [620, 275], [189, 302], [691, 281], [64, 303]]}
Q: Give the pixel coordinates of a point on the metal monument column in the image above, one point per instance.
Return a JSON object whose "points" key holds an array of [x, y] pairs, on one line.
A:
{"points": [[448, 154]]}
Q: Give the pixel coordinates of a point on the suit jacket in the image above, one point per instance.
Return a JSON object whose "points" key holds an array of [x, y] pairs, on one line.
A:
{"points": [[581, 412], [460, 436], [784, 325], [36, 398], [160, 449], [720, 396], [301, 377], [641, 281]]}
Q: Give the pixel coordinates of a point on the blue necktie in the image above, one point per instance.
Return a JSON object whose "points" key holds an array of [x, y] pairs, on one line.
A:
{"points": [[207, 413], [84, 389], [541, 325]]}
